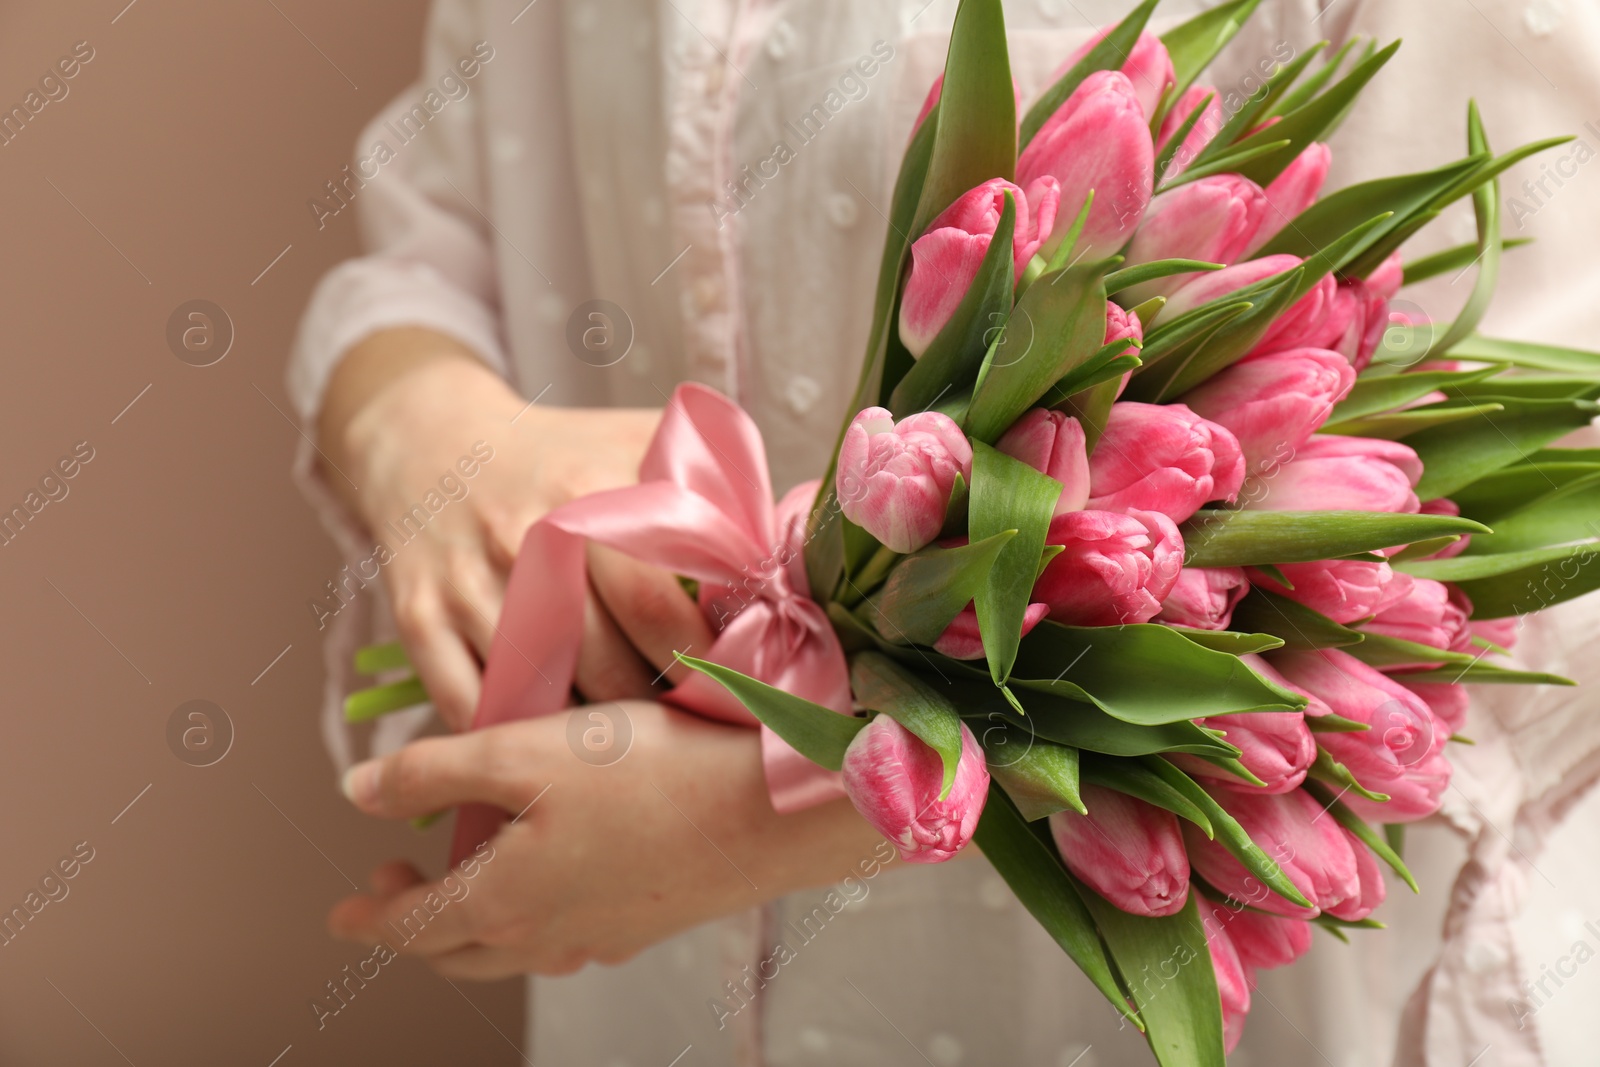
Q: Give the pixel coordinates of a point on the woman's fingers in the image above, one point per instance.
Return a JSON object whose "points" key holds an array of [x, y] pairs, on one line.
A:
{"points": [[651, 609], [608, 667], [435, 773], [447, 667], [475, 595], [422, 920]]}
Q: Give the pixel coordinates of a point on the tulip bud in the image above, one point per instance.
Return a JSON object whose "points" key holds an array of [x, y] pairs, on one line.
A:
{"points": [[1128, 851], [1432, 614], [946, 258], [1163, 457], [1233, 979], [1292, 192], [1373, 296], [1148, 68], [895, 479], [1205, 128], [1448, 701], [1120, 326], [1275, 746], [1311, 849], [1212, 220], [1214, 285], [1114, 569], [1400, 755], [1098, 139], [893, 779], [1503, 632], [1274, 403], [961, 639], [1334, 473], [1316, 320], [1342, 589], [1266, 941], [1203, 598], [1053, 443]]}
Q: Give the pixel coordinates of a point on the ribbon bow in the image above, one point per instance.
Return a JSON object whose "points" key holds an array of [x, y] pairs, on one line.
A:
{"points": [[702, 509]]}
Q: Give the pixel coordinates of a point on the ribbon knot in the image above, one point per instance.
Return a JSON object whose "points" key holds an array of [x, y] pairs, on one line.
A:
{"points": [[703, 509]]}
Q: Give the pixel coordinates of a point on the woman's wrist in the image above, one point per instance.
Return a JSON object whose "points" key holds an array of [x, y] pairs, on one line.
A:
{"points": [[380, 372]]}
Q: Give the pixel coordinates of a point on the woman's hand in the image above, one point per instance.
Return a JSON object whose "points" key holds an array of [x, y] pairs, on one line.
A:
{"points": [[404, 409], [603, 861]]}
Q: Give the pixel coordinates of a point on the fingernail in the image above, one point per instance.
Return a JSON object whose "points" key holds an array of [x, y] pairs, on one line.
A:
{"points": [[360, 783]]}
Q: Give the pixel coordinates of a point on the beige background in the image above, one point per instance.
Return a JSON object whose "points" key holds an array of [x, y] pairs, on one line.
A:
{"points": [[195, 936]]}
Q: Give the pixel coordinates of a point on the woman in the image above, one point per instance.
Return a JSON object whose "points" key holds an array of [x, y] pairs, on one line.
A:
{"points": [[608, 197]]}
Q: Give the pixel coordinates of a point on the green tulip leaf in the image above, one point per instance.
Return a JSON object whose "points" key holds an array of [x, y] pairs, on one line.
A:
{"points": [[1458, 454], [1035, 875], [1137, 780], [1059, 324], [819, 734], [976, 135], [1007, 495], [1182, 1015], [952, 359], [926, 590], [1247, 538], [1041, 777]]}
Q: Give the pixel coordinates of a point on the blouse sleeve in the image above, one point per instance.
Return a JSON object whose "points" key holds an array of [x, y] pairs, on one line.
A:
{"points": [[412, 185]]}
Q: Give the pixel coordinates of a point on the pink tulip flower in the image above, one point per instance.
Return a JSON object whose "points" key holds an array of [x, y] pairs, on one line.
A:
{"points": [[1148, 69], [1431, 614], [1313, 851], [1120, 326], [1128, 851], [1203, 598], [1274, 403], [946, 258], [1266, 941], [961, 639], [893, 779], [1400, 755], [1363, 313], [1316, 320], [1503, 632], [1333, 473], [1053, 443], [1099, 140], [1212, 220], [1205, 128], [1292, 192], [1448, 701], [1214, 285], [1163, 457], [1116, 568], [1234, 979], [895, 479], [1275, 746], [1342, 589]]}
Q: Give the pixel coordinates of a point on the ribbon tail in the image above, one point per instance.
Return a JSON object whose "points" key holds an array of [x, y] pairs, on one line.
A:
{"points": [[794, 783], [535, 653]]}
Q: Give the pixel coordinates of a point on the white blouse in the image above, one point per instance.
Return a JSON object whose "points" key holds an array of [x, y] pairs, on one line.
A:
{"points": [[719, 170]]}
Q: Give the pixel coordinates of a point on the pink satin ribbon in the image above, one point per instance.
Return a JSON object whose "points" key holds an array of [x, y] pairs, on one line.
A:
{"points": [[702, 509]]}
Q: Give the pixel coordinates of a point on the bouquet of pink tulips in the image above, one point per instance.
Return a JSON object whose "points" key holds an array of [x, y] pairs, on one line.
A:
{"points": [[1154, 537]]}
